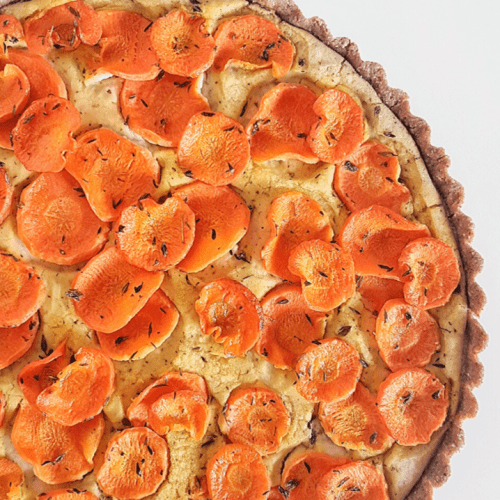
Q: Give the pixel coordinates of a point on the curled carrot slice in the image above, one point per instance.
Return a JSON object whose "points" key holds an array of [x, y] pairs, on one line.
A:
{"points": [[182, 43], [279, 129], [326, 272], [213, 149], [3, 406], [255, 416], [213, 207], [328, 371], [376, 291], [14, 92], [430, 271], [136, 462], [17, 340], [67, 494], [289, 326], [231, 313], [11, 479], [237, 471], [6, 194], [413, 403], [254, 43]]}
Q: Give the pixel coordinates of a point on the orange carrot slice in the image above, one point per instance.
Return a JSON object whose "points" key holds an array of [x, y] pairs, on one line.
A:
{"points": [[112, 171], [413, 403], [430, 271], [6, 194], [326, 272], [67, 494], [289, 326], [213, 149], [14, 92], [11, 26], [213, 207], [182, 43], [293, 218], [275, 494], [17, 340], [22, 291], [328, 371], [145, 332], [156, 237], [159, 110], [376, 291], [237, 471], [257, 417], [375, 237], [231, 313], [370, 176], [67, 455], [279, 129], [252, 42], [3, 406], [11, 478]]}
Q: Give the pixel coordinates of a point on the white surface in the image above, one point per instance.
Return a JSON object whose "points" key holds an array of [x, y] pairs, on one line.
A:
{"points": [[445, 55]]}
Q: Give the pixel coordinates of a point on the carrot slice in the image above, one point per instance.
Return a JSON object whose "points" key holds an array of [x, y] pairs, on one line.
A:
{"points": [[279, 129], [58, 453], [257, 417], [328, 371], [326, 272], [430, 271], [17, 340], [293, 218], [56, 223], [11, 479], [182, 43], [231, 313], [156, 237], [14, 92], [413, 403], [198, 488], [375, 237], [159, 110], [213, 148], [11, 26], [237, 471], [370, 176], [213, 207], [145, 332], [67, 494], [112, 171], [252, 42], [136, 462], [6, 194], [289, 326], [22, 291], [376, 291]]}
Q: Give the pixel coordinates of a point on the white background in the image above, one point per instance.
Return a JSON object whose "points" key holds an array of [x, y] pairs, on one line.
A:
{"points": [[446, 56]]}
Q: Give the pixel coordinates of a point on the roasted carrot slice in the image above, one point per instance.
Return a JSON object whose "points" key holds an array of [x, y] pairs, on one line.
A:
{"points": [[11, 478], [293, 218], [279, 129], [17, 340], [376, 291], [237, 471], [328, 371], [326, 272], [136, 462], [413, 403], [112, 171], [14, 92], [213, 207], [22, 291], [289, 326], [58, 453], [213, 148], [254, 43], [231, 313], [11, 26], [108, 292], [146, 331], [67, 494], [6, 194], [370, 176], [430, 271], [375, 237], [159, 110], [255, 416], [3, 406]]}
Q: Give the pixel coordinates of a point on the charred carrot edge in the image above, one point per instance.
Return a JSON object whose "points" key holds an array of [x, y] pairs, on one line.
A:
{"points": [[15, 92], [376, 291], [11, 478], [67, 494], [6, 195], [18, 340], [3, 407]]}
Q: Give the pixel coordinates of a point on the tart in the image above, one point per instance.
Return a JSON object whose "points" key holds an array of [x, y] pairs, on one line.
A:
{"points": [[288, 193]]}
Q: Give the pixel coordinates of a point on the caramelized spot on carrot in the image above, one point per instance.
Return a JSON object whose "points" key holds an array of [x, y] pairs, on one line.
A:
{"points": [[6, 195], [11, 478], [67, 494], [14, 92], [17, 340], [3, 406], [376, 291]]}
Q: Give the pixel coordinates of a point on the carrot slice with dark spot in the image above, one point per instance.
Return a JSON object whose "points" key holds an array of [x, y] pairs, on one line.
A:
{"points": [[214, 149], [11, 26], [231, 313], [159, 110], [136, 462], [11, 478], [237, 471], [254, 43], [430, 271], [67, 494], [145, 332], [279, 129], [3, 407], [213, 207], [22, 291], [6, 195], [112, 171], [17, 340], [275, 494], [14, 92], [376, 291], [328, 371]]}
